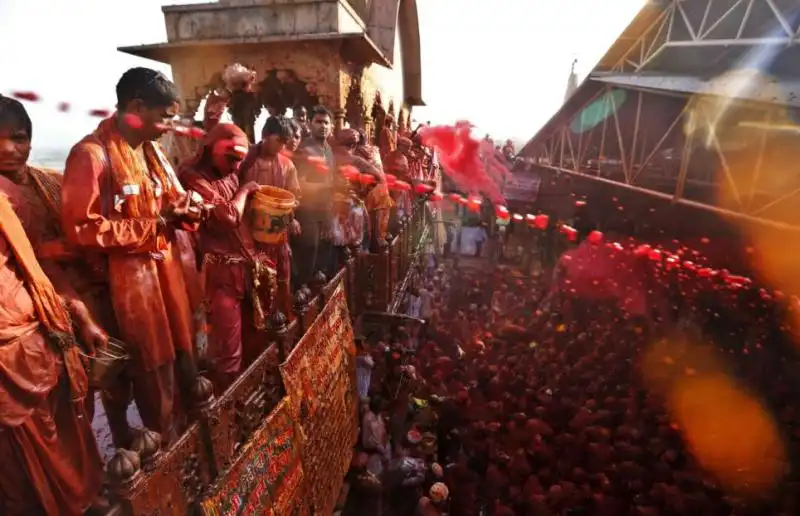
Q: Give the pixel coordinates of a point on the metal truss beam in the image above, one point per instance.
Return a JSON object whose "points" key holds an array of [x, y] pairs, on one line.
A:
{"points": [[785, 93], [731, 42], [676, 28], [684, 202], [557, 154]]}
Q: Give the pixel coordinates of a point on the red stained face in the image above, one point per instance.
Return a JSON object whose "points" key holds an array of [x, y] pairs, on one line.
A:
{"points": [[15, 147], [227, 156], [150, 121]]}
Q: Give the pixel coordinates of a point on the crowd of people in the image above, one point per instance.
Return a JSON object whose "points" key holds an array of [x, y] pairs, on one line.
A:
{"points": [[521, 399], [144, 248]]}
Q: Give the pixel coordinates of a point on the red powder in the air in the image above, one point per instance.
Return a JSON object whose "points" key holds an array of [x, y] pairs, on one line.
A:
{"points": [[350, 172], [26, 95], [465, 160], [319, 163]]}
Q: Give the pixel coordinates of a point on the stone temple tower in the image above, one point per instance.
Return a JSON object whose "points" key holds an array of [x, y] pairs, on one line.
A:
{"points": [[572, 82], [361, 58]]}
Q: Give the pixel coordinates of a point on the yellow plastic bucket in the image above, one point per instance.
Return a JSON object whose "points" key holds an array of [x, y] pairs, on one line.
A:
{"points": [[270, 213]]}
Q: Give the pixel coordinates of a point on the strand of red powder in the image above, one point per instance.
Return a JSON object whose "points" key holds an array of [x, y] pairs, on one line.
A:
{"points": [[130, 119]]}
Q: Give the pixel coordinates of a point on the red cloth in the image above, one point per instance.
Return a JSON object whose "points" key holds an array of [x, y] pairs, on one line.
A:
{"points": [[147, 284], [224, 232], [227, 288], [227, 247], [48, 458]]}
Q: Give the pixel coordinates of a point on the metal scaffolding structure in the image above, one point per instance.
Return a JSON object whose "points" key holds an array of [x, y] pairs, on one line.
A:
{"points": [[695, 103]]}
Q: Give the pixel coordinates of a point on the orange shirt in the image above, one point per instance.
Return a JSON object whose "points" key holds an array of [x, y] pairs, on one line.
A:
{"points": [[147, 285]]}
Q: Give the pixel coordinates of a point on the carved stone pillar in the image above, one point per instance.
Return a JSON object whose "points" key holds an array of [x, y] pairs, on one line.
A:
{"points": [[123, 472], [202, 396], [369, 127], [304, 309], [339, 118], [300, 309], [147, 444]]}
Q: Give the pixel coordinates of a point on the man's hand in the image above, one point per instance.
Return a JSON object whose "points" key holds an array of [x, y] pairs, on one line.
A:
{"points": [[92, 336], [248, 188], [239, 200], [294, 228], [182, 210], [177, 208]]}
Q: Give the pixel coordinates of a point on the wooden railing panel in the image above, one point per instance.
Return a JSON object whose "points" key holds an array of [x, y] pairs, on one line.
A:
{"points": [[396, 263], [404, 246], [313, 310], [235, 415], [373, 280], [171, 481], [351, 267], [293, 334]]}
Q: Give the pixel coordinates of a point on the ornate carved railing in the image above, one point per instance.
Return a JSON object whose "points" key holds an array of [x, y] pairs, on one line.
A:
{"points": [[147, 480]]}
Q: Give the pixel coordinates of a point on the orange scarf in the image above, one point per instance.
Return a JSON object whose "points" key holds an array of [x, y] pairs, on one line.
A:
{"points": [[51, 312], [129, 171]]}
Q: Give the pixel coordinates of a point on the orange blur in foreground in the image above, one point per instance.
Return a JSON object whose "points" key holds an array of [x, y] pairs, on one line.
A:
{"points": [[728, 431]]}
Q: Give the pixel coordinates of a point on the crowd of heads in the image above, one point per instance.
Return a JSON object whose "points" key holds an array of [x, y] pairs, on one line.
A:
{"points": [[554, 405]]}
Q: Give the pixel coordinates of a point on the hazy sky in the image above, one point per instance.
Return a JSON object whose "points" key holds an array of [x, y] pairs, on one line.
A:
{"points": [[502, 64]]}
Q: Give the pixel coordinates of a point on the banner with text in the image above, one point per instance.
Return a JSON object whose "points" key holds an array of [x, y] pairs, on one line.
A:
{"points": [[267, 477], [319, 376]]}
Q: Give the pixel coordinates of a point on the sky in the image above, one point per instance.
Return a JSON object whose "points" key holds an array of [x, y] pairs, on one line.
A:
{"points": [[501, 64]]}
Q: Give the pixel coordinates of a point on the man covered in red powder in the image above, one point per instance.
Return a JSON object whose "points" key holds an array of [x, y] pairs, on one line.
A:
{"points": [[49, 462], [227, 250], [121, 199], [35, 195]]}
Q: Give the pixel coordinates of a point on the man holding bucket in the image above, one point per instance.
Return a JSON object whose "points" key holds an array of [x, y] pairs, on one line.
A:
{"points": [[266, 165], [228, 252]]}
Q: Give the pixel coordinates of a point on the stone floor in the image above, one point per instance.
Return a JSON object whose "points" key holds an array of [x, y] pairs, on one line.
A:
{"points": [[102, 433]]}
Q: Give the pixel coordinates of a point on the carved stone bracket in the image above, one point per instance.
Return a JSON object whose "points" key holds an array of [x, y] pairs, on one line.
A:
{"points": [[284, 89]]}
